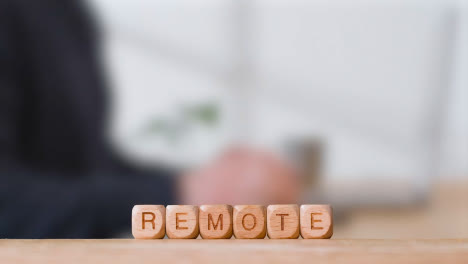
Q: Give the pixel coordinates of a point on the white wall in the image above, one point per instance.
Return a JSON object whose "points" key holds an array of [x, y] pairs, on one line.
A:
{"points": [[382, 82]]}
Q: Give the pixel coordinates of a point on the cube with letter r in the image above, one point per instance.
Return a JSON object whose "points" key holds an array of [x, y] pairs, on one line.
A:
{"points": [[149, 221]]}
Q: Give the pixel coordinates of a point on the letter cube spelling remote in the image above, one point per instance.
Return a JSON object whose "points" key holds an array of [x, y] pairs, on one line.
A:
{"points": [[280, 221], [249, 221]]}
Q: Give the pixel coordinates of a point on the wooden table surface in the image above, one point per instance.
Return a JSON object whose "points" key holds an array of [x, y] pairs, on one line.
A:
{"points": [[233, 251]]}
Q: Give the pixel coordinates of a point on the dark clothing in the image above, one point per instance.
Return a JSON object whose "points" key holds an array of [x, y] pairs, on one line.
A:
{"points": [[59, 178]]}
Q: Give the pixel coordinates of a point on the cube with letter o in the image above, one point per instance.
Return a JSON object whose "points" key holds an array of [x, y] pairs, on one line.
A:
{"points": [[249, 221]]}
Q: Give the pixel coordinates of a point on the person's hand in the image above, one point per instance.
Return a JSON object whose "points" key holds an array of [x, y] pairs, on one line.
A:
{"points": [[241, 176]]}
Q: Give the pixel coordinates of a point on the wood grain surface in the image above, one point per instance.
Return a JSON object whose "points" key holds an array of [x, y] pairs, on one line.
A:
{"points": [[233, 251]]}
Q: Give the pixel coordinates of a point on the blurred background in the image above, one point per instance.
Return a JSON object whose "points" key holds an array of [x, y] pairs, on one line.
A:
{"points": [[366, 100]]}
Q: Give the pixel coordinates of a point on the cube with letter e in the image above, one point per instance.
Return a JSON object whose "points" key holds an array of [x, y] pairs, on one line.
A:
{"points": [[182, 221], [316, 221]]}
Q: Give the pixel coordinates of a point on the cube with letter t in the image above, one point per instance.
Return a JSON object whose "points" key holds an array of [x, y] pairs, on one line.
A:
{"points": [[283, 221]]}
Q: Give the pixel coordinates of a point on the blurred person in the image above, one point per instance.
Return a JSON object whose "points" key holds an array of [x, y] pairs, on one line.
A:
{"points": [[60, 178], [241, 175]]}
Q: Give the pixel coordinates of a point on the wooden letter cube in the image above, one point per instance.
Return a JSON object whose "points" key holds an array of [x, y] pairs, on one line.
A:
{"points": [[249, 221], [182, 221], [316, 221], [215, 221], [148, 221], [283, 221]]}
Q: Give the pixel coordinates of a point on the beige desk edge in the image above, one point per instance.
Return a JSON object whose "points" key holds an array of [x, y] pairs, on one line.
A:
{"points": [[233, 251]]}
